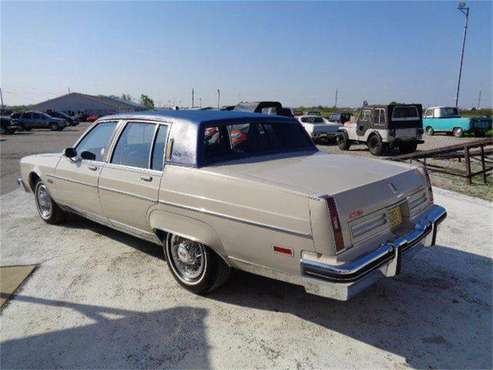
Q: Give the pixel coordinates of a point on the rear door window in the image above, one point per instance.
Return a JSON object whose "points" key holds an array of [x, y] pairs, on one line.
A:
{"points": [[134, 145]]}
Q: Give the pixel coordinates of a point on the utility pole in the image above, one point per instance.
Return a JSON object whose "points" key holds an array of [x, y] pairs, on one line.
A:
{"points": [[479, 100], [218, 99], [464, 9], [335, 105], [68, 90], [200, 102], [1, 97], [193, 97]]}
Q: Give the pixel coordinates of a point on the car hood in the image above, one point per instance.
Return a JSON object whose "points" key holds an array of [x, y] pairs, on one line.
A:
{"points": [[319, 173]]}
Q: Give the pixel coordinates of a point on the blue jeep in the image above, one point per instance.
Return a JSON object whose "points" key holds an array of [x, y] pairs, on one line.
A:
{"points": [[447, 119]]}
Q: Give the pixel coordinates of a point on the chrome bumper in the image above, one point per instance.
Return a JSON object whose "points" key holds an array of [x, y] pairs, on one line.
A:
{"points": [[342, 281], [21, 183]]}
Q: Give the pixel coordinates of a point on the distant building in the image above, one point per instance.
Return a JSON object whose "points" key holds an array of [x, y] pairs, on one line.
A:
{"points": [[76, 103]]}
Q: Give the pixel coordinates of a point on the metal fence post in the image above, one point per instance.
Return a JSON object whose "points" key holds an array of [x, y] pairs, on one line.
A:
{"points": [[468, 164]]}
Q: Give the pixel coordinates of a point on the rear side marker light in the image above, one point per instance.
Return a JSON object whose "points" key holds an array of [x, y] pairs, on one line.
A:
{"points": [[283, 250], [336, 225]]}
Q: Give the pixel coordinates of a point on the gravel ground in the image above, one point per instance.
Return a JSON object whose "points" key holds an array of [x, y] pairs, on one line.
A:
{"points": [[101, 299]]}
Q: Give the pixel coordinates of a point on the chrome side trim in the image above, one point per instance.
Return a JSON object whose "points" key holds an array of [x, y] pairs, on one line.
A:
{"points": [[190, 195], [237, 219], [388, 252], [128, 194], [71, 180]]}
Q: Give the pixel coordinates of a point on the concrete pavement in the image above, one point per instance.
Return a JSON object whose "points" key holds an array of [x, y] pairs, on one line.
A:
{"points": [[102, 299]]}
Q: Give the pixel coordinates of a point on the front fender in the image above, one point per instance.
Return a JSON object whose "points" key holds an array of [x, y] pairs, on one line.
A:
{"points": [[188, 227]]}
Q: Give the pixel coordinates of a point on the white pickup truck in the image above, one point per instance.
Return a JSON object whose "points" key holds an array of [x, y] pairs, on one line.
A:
{"points": [[318, 128]]}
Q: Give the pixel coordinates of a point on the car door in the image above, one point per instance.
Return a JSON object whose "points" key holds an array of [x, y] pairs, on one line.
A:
{"points": [[76, 180], [129, 183], [37, 120], [27, 120]]}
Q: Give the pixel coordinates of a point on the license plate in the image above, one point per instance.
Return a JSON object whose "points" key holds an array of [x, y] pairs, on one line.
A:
{"points": [[395, 216]]}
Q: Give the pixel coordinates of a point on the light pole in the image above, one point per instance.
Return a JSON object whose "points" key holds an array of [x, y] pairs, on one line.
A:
{"points": [[218, 99], [464, 9], [193, 97]]}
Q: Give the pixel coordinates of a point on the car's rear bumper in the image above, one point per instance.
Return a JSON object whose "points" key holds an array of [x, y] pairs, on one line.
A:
{"points": [[342, 281]]}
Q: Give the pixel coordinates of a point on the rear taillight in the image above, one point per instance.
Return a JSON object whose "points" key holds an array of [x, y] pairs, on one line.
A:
{"points": [[424, 172], [336, 225]]}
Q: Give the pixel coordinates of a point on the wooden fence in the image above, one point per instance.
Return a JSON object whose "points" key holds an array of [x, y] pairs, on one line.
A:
{"points": [[480, 151]]}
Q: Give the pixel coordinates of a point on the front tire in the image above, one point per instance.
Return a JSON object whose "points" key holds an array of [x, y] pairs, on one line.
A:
{"points": [[48, 210], [194, 265], [343, 141], [430, 131]]}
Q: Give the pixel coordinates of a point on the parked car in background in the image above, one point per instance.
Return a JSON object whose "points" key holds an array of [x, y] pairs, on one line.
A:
{"points": [[266, 107], [271, 204], [448, 120], [7, 126], [71, 120], [339, 117], [384, 127], [30, 120], [312, 113], [318, 128], [92, 118]]}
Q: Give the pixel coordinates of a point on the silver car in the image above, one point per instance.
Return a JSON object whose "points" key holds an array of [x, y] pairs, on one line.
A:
{"points": [[225, 189]]}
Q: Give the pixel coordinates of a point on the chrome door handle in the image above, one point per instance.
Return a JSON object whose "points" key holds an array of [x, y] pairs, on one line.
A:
{"points": [[92, 168], [146, 178]]}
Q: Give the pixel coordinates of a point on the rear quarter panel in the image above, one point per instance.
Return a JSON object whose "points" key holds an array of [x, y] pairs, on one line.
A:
{"points": [[242, 219]]}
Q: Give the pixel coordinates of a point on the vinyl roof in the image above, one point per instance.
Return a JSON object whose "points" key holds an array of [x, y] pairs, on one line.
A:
{"points": [[196, 116]]}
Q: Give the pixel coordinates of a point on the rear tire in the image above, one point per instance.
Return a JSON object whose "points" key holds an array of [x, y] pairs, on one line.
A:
{"points": [[458, 132], [343, 141], [406, 148], [375, 145], [26, 128], [430, 131], [48, 210], [194, 266]]}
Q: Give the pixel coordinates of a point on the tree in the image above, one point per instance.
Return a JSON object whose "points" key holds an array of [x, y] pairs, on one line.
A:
{"points": [[146, 101], [126, 97]]}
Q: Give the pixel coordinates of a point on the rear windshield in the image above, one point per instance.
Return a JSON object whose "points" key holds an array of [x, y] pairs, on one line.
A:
{"points": [[405, 113], [234, 141]]}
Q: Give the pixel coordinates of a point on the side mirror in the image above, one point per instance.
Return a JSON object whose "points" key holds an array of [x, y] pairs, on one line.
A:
{"points": [[88, 155], [70, 153]]}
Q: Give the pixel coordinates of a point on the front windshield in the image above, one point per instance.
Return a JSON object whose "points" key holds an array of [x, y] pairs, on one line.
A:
{"points": [[233, 141]]}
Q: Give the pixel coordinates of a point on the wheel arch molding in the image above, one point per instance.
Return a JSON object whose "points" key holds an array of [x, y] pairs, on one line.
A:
{"points": [[187, 227]]}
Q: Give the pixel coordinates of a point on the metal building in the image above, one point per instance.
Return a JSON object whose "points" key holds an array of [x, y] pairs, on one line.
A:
{"points": [[77, 103]]}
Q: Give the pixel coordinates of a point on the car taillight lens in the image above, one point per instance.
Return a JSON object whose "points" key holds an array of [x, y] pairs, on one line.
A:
{"points": [[424, 172], [336, 225]]}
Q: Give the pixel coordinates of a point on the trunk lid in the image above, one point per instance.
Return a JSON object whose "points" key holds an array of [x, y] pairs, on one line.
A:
{"points": [[365, 190]]}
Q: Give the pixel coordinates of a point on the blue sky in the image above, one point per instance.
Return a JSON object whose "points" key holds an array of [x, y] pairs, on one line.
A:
{"points": [[295, 52]]}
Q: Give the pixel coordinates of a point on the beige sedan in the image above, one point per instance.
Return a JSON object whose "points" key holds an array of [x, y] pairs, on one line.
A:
{"points": [[225, 189]]}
